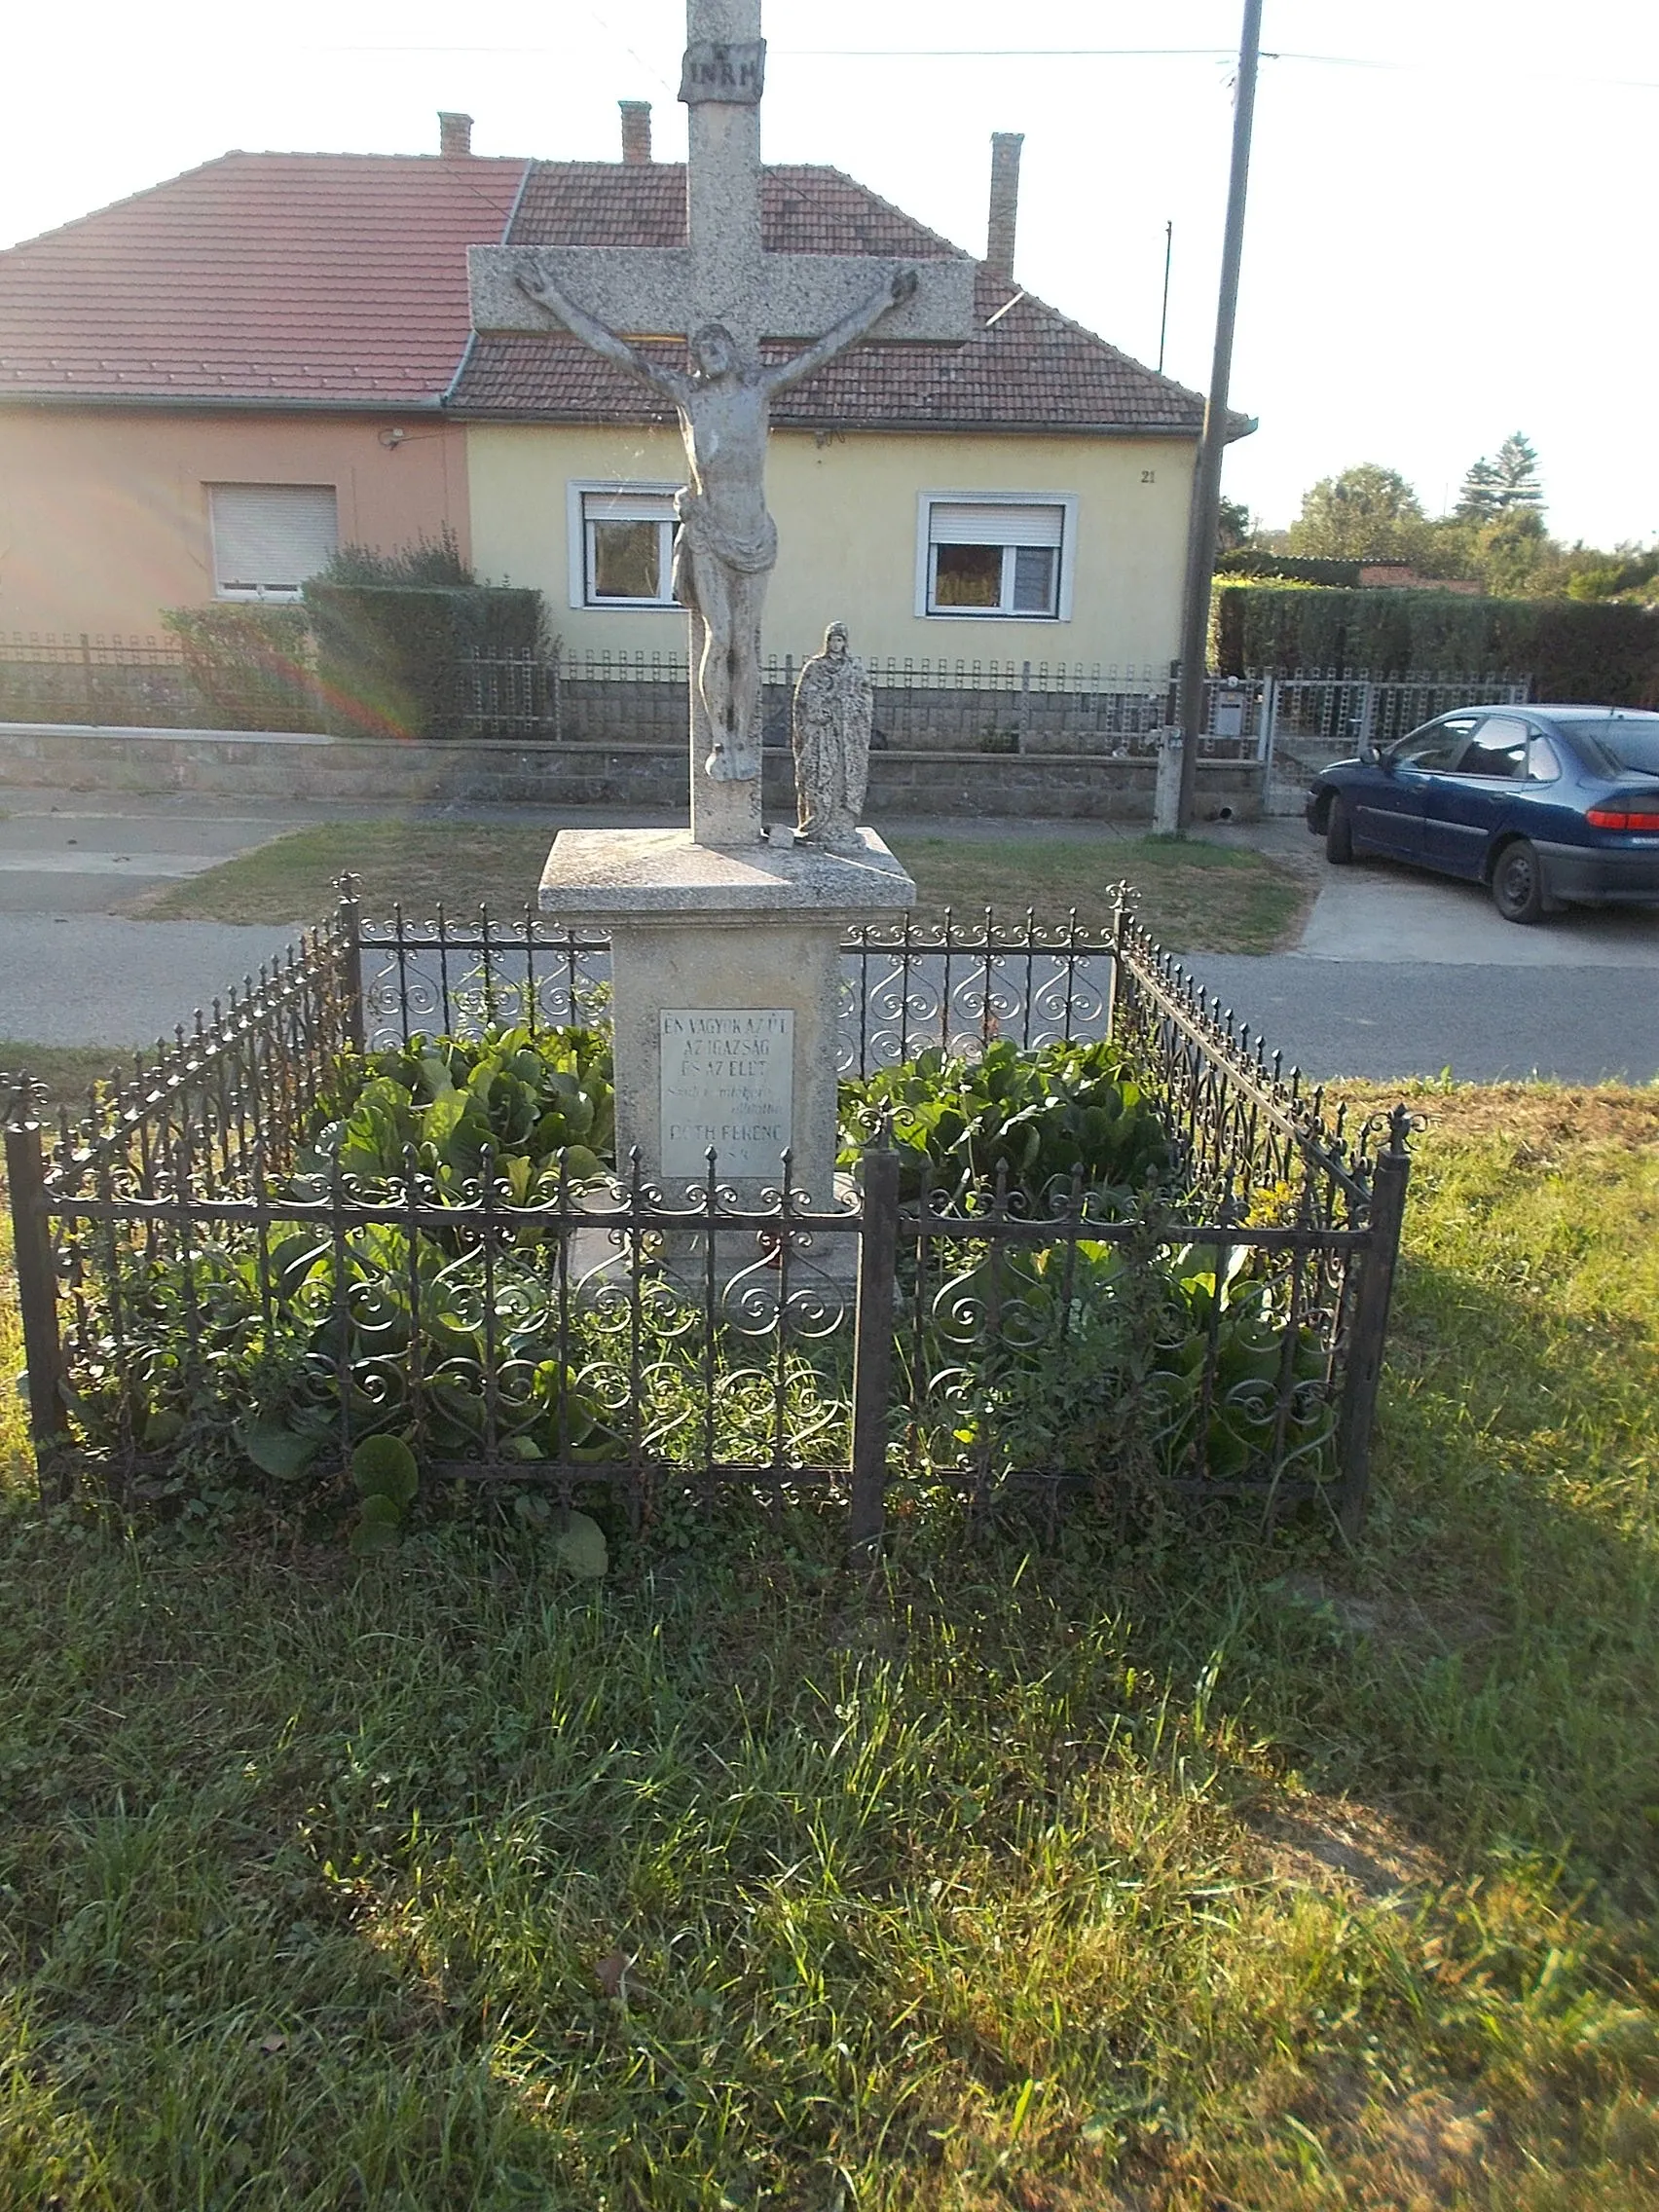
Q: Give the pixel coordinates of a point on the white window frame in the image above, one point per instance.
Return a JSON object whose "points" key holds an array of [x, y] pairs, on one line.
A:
{"points": [[926, 502], [576, 490], [266, 595]]}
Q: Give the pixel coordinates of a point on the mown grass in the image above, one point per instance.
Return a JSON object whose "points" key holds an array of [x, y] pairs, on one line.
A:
{"points": [[1199, 1871], [68, 1071], [1192, 897]]}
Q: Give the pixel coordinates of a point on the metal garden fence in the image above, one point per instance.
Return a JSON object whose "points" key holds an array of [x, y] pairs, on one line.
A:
{"points": [[923, 703], [182, 1257], [1283, 720]]}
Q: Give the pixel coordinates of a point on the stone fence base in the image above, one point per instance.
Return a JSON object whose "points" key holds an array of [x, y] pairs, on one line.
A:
{"points": [[247, 764]]}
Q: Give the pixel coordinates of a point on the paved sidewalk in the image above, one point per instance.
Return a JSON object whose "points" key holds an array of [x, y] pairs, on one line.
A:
{"points": [[102, 980]]}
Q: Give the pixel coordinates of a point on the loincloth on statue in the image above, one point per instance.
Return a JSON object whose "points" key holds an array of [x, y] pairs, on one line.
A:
{"points": [[750, 553]]}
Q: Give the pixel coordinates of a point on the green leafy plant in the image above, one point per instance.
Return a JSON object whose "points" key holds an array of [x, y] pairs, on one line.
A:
{"points": [[1035, 1117], [388, 1479], [542, 1101], [252, 1354], [1091, 1359], [580, 1546]]}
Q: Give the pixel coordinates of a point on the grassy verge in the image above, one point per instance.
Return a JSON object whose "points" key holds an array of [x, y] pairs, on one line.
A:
{"points": [[68, 1071], [1211, 1871], [1193, 897]]}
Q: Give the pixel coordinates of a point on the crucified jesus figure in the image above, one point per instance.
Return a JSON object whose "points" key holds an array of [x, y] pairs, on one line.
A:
{"points": [[726, 542]]}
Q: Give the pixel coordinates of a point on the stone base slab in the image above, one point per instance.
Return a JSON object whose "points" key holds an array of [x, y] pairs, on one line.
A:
{"points": [[642, 876]]}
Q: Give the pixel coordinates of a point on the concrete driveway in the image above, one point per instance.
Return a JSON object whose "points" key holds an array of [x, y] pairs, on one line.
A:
{"points": [[1374, 911], [1404, 973]]}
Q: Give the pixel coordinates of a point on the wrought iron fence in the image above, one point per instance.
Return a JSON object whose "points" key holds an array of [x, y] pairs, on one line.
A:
{"points": [[81, 678], [190, 1261], [1321, 708], [921, 703]]}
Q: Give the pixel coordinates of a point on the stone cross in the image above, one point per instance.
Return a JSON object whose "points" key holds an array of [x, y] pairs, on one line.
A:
{"points": [[721, 283]]}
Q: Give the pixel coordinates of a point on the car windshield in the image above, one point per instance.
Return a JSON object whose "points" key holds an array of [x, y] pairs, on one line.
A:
{"points": [[1617, 743]]}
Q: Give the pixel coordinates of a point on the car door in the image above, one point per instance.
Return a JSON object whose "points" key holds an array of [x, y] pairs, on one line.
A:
{"points": [[1464, 806], [1388, 810]]}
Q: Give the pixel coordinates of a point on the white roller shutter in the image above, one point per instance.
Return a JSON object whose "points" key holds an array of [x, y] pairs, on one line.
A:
{"points": [[268, 538], [628, 506], [998, 522]]}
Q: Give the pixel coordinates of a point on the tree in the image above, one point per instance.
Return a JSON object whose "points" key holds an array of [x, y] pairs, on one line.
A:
{"points": [[1516, 557], [1478, 499], [1366, 513], [1232, 526], [1504, 486]]}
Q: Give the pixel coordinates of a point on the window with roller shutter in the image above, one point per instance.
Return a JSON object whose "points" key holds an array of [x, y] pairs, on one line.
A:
{"points": [[268, 538], [621, 538], [1001, 555]]}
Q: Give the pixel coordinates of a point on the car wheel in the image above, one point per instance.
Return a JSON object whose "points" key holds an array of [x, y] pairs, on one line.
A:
{"points": [[1518, 882], [1339, 833]]}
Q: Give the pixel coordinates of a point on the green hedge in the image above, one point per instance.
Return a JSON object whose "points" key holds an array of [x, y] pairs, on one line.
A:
{"points": [[1295, 568], [1571, 649], [252, 667], [392, 659]]}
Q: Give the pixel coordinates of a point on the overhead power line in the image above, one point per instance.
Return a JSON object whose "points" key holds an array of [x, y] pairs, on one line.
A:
{"points": [[1484, 66]]}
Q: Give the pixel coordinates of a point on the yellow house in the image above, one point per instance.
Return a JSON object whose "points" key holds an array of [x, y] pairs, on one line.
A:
{"points": [[1019, 498], [207, 389]]}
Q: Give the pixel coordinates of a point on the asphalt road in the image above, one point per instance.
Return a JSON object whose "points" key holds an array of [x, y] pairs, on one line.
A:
{"points": [[1397, 975], [1386, 1018]]}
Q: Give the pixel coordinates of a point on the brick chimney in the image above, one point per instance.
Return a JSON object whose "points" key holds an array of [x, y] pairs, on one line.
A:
{"points": [[1004, 203], [454, 133], [636, 130]]}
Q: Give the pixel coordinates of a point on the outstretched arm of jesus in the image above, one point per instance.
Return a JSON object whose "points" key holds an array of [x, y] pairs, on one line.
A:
{"points": [[847, 332], [535, 284]]}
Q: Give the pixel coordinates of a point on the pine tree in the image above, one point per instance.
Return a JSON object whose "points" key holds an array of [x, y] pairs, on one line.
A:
{"points": [[1516, 472], [1501, 486], [1478, 499]]}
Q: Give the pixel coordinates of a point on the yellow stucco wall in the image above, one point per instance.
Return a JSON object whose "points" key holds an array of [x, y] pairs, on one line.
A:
{"points": [[847, 524], [103, 511]]}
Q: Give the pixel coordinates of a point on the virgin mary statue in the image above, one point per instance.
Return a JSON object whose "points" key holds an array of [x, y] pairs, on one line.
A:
{"points": [[833, 706]]}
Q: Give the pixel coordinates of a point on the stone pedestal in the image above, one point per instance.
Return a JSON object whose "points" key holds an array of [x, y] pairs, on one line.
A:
{"points": [[726, 990]]}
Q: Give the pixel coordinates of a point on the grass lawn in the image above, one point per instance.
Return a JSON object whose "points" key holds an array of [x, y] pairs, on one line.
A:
{"points": [[1199, 1872], [1192, 897], [68, 1071]]}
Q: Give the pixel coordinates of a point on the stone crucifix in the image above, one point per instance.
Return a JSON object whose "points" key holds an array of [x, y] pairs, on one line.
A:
{"points": [[723, 293]]}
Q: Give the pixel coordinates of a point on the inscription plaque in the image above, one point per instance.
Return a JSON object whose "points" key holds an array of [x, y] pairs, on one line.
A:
{"points": [[727, 1081], [731, 72]]}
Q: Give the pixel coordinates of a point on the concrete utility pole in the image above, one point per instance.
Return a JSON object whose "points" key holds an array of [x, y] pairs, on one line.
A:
{"points": [[1206, 482]]}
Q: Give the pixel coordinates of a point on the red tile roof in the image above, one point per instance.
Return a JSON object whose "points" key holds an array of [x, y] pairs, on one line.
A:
{"points": [[319, 278], [1028, 369], [340, 279]]}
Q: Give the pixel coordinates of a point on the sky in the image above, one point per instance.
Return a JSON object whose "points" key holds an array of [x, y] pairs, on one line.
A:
{"points": [[1452, 202]]}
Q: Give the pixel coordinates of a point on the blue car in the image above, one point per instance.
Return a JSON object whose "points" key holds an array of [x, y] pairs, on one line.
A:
{"points": [[1548, 806]]}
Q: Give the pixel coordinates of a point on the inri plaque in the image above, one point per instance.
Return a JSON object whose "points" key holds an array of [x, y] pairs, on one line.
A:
{"points": [[727, 1081]]}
